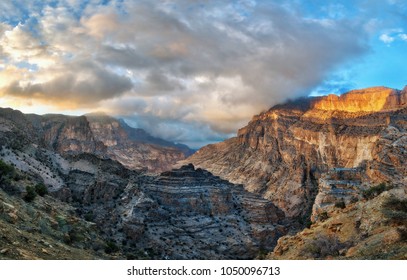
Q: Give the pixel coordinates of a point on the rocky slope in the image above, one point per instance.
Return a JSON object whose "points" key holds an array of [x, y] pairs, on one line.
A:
{"points": [[373, 228], [180, 214], [195, 215], [282, 153], [42, 227], [97, 134]]}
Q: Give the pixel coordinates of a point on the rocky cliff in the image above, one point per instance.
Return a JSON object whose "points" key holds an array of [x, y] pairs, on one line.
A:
{"points": [[96, 134], [282, 153], [372, 228], [185, 213], [317, 178], [180, 214], [191, 214]]}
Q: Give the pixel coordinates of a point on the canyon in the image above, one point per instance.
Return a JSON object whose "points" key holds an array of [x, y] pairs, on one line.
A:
{"points": [[318, 177], [283, 152]]}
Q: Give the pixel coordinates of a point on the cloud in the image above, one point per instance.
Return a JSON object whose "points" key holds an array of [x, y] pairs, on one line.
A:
{"points": [[392, 35], [202, 65], [386, 38], [403, 37], [79, 84]]}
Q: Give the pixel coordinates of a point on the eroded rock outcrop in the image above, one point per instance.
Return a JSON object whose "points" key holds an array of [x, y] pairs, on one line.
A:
{"points": [[100, 135], [180, 214], [191, 214], [282, 153]]}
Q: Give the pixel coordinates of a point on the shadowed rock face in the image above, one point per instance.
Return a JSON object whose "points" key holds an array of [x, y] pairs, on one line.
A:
{"points": [[282, 153], [191, 214], [100, 135]]}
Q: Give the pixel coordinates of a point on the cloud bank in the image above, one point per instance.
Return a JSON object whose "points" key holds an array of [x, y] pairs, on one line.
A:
{"points": [[190, 71]]}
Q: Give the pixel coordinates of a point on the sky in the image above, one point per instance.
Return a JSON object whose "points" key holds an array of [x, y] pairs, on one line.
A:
{"points": [[193, 71]]}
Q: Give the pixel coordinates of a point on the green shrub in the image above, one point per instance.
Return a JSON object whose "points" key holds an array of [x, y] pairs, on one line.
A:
{"points": [[111, 247], [396, 204], [376, 190], [41, 189], [395, 210], [323, 216], [30, 195], [340, 204], [89, 217], [7, 172], [403, 234], [5, 168]]}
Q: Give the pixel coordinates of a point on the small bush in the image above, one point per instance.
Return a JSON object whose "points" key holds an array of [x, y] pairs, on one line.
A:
{"points": [[376, 190], [323, 216], [340, 204], [41, 189], [30, 195], [7, 172], [111, 247], [89, 217], [131, 257], [403, 234], [5, 168], [323, 246], [262, 254], [395, 211]]}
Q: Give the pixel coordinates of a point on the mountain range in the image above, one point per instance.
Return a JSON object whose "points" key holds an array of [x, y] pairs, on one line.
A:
{"points": [[321, 177]]}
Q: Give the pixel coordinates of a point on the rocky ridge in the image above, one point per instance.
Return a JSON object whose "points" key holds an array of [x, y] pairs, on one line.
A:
{"points": [[97, 134], [373, 228], [282, 153], [180, 214]]}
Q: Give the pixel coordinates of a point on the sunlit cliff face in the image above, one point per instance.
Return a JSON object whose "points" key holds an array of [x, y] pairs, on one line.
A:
{"points": [[366, 100]]}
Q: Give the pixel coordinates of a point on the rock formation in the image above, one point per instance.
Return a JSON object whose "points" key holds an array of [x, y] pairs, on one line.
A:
{"points": [[96, 134], [191, 214], [282, 153], [373, 228], [326, 174], [180, 214]]}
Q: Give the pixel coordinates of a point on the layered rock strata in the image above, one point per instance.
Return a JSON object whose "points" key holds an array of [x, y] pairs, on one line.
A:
{"points": [[96, 134], [282, 153]]}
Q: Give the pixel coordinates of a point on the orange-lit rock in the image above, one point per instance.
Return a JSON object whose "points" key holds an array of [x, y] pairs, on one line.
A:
{"points": [[366, 100]]}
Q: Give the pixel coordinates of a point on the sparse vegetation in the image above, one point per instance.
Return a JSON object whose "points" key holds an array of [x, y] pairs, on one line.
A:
{"points": [[376, 190], [323, 246], [323, 216], [340, 204], [30, 194], [41, 189], [111, 247], [395, 211]]}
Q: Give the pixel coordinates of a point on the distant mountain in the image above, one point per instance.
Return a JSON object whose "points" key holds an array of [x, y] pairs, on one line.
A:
{"points": [[140, 135], [98, 134]]}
